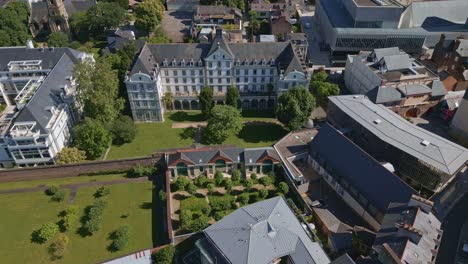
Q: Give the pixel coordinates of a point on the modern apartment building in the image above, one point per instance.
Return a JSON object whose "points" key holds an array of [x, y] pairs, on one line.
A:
{"points": [[38, 89], [259, 70], [421, 158], [393, 78], [349, 26]]}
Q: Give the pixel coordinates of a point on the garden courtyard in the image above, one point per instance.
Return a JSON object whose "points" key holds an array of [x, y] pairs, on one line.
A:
{"points": [[128, 204], [260, 130]]}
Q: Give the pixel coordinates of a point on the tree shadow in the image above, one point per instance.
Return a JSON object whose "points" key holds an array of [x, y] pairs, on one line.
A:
{"points": [[257, 131], [82, 231], [179, 196], [146, 205], [188, 133], [35, 237], [159, 233], [182, 116], [199, 195]]}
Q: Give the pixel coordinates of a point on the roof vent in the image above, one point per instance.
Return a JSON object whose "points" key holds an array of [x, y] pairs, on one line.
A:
{"points": [[377, 121], [425, 143], [356, 96], [200, 161]]}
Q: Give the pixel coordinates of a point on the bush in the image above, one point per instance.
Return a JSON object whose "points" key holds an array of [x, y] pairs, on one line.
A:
{"points": [[68, 221], [102, 191], [221, 203], [265, 181], [123, 130], [191, 188], [71, 210], [142, 171], [164, 256], [236, 175], [221, 214], [210, 187], [283, 188], [58, 247], [248, 184], [51, 190], [162, 195], [181, 182], [254, 197], [253, 176], [228, 185], [201, 180], [47, 231], [243, 198], [93, 224], [59, 196], [218, 177], [263, 193], [198, 222], [120, 238], [195, 204]]}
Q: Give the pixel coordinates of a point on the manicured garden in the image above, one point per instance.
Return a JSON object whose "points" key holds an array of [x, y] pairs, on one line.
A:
{"points": [[101, 223]]}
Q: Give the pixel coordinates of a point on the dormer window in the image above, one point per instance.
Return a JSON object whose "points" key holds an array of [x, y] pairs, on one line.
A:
{"points": [[165, 63], [200, 63], [264, 62], [238, 62], [255, 62], [191, 62], [174, 63], [182, 62], [272, 61]]}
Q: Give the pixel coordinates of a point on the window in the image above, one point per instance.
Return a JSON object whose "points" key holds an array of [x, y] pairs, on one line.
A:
{"points": [[183, 72], [228, 80], [201, 80], [192, 72], [228, 72], [237, 72], [263, 71], [211, 80], [186, 89], [219, 72], [254, 71], [193, 80], [175, 72], [220, 88], [176, 80], [200, 72], [184, 80], [210, 64], [237, 79], [167, 80], [177, 88], [219, 64]]}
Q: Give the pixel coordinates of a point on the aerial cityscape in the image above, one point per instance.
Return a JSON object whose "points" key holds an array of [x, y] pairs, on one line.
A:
{"points": [[234, 131]]}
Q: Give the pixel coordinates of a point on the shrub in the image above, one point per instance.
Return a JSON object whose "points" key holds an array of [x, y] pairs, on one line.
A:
{"points": [[198, 222], [162, 195], [47, 231], [254, 197], [201, 180], [59, 196], [263, 193], [248, 184], [93, 224], [221, 214], [51, 190], [191, 188], [142, 171], [243, 198], [236, 175], [164, 256], [195, 204], [181, 182], [253, 176], [120, 238], [102, 191], [228, 186], [71, 210], [58, 247], [68, 221], [210, 187], [221, 203], [265, 181], [283, 188], [218, 177]]}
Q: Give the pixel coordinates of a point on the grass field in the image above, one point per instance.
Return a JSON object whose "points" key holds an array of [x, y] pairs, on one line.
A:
{"points": [[71, 180], [23, 213]]}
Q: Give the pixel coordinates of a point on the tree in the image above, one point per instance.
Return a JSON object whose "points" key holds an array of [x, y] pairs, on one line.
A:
{"points": [[48, 231], [248, 183], [102, 191], [320, 76], [57, 39], [294, 107], [162, 195], [123, 130], [168, 98], [191, 188], [253, 176], [148, 15], [14, 24], [232, 95], [243, 198], [224, 120], [236, 175], [201, 180], [59, 196], [58, 247], [103, 16], [254, 23], [263, 193], [120, 238], [164, 256], [206, 101], [265, 181], [228, 185], [283, 188], [210, 187], [219, 178], [181, 182], [51, 190], [121, 3], [70, 155], [91, 137], [98, 90], [323, 90]]}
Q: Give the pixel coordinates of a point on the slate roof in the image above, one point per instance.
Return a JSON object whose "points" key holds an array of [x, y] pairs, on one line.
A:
{"points": [[419, 11], [440, 153], [39, 12], [414, 89], [48, 57], [263, 231], [378, 185], [438, 88], [75, 6], [397, 62], [212, 10], [384, 94], [380, 53]]}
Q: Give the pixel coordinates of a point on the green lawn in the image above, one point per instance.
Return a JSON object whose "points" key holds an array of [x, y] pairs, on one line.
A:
{"points": [[23, 213], [71, 180], [260, 134]]}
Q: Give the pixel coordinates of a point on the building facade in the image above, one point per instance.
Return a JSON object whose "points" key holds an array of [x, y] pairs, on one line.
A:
{"points": [[260, 71], [38, 90], [395, 79], [459, 125], [348, 26], [424, 160]]}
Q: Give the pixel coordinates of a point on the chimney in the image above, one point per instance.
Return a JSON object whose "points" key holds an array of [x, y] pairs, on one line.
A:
{"points": [[29, 44]]}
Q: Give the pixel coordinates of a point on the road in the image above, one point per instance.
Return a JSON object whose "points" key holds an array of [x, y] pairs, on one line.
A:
{"points": [[452, 227], [316, 56]]}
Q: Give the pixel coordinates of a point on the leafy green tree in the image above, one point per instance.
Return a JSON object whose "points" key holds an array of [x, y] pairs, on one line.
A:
{"points": [[254, 22], [123, 130], [103, 16], [191, 188], [91, 137], [181, 182], [265, 180], [210, 187], [162, 195], [294, 107], [248, 183], [236, 174], [253, 176], [58, 247], [51, 190], [283, 188], [168, 98], [70, 155], [232, 95], [320, 76], [120, 238], [201, 180], [14, 24], [57, 39], [228, 185], [121, 3], [323, 90], [164, 256], [97, 90], [223, 121], [102, 191], [206, 101], [159, 37], [243, 198], [263, 193], [59, 196], [219, 178], [48, 231], [148, 15]]}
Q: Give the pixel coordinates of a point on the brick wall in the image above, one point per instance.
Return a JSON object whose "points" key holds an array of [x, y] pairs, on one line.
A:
{"points": [[72, 170], [168, 207]]}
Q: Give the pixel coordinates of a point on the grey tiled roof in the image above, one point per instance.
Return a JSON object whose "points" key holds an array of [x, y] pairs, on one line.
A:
{"points": [[380, 53], [378, 185], [263, 231], [384, 94], [48, 57], [440, 153], [343, 259], [39, 12], [76, 6], [438, 88], [414, 89], [397, 62]]}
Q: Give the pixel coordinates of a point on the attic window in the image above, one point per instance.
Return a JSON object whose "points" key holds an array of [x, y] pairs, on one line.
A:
{"points": [[191, 62], [182, 63], [165, 62], [425, 143], [200, 63], [174, 63], [377, 121]]}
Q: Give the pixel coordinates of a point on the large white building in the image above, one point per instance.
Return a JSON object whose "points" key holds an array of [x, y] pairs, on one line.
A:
{"points": [[37, 90], [260, 71]]}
